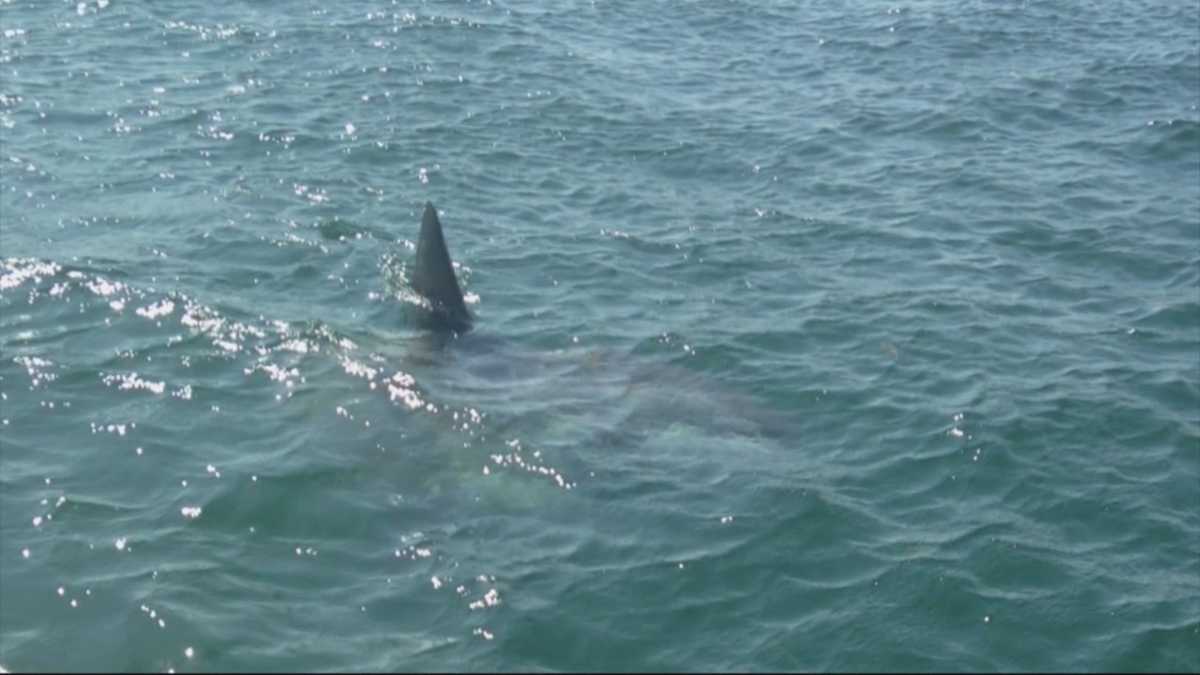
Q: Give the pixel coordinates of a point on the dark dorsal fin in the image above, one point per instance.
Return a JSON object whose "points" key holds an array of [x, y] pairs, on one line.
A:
{"points": [[434, 275]]}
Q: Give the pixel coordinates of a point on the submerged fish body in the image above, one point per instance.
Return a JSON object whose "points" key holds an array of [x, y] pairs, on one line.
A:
{"points": [[567, 401]]}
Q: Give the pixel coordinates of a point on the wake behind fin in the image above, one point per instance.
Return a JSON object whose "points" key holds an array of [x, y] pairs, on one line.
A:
{"points": [[434, 278]]}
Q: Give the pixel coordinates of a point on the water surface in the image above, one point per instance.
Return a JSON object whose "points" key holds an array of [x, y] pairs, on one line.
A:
{"points": [[809, 336]]}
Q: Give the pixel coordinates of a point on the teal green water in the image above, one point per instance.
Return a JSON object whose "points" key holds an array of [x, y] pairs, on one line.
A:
{"points": [[810, 336]]}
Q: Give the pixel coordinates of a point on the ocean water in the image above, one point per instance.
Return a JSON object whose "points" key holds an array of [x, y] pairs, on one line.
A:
{"points": [[809, 336]]}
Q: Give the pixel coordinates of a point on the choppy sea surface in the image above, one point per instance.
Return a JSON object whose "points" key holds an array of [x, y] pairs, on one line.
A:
{"points": [[809, 336]]}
